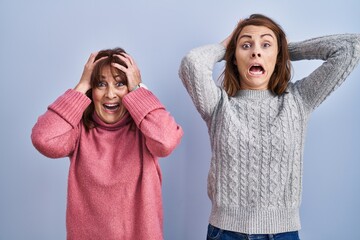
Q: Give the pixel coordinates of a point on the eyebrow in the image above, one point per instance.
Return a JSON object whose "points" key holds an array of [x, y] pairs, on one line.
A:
{"points": [[262, 35]]}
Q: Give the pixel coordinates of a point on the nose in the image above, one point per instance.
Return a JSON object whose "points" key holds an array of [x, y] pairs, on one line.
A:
{"points": [[110, 93], [256, 54]]}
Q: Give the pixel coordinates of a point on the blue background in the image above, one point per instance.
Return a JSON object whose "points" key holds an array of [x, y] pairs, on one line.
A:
{"points": [[44, 46]]}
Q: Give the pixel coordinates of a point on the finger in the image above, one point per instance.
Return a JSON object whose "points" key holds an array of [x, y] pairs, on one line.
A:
{"points": [[120, 67], [92, 57], [123, 58], [126, 58], [130, 72], [130, 58], [96, 61]]}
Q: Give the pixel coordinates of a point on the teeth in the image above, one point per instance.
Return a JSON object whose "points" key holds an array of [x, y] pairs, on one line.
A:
{"points": [[256, 69], [257, 73], [111, 106]]}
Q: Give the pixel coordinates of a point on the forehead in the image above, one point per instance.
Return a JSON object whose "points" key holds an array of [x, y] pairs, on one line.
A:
{"points": [[252, 31]]}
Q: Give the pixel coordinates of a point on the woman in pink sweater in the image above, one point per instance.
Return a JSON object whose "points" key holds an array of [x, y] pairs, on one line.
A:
{"points": [[113, 130]]}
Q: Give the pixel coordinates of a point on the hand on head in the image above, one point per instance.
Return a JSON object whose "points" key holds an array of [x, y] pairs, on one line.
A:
{"points": [[131, 70], [84, 83]]}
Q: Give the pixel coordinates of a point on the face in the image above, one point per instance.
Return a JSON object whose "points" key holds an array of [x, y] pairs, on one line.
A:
{"points": [[107, 96], [256, 54]]}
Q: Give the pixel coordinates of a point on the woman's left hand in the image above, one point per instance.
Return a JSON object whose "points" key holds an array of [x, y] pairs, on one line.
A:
{"points": [[131, 70]]}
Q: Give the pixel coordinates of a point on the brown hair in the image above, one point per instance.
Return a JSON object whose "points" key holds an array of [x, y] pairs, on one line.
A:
{"points": [[95, 79], [282, 72]]}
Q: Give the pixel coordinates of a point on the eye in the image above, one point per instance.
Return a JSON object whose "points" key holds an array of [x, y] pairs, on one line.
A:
{"points": [[266, 45], [246, 46], [119, 84], [101, 84]]}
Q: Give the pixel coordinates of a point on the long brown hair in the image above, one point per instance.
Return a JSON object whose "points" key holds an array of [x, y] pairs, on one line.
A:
{"points": [[95, 78], [282, 72]]}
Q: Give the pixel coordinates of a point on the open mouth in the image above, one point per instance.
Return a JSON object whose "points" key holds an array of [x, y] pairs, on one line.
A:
{"points": [[112, 107], [256, 69]]}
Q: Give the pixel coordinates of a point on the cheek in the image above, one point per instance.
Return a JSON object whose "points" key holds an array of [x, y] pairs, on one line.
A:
{"points": [[96, 97], [241, 60], [122, 92], [271, 61], [242, 68], [273, 64], [274, 57]]}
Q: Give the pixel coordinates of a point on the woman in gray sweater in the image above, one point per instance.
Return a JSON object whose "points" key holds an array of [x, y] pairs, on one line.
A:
{"points": [[257, 121]]}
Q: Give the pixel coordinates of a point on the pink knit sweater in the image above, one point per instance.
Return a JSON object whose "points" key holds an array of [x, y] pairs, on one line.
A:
{"points": [[114, 182]]}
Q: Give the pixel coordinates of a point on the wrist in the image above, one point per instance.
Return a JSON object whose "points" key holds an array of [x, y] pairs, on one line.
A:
{"points": [[140, 85], [82, 88]]}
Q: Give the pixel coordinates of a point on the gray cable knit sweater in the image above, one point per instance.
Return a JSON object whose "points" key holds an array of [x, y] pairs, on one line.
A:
{"points": [[257, 138]]}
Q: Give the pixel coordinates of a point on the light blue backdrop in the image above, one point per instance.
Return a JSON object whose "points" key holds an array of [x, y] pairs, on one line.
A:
{"points": [[44, 45]]}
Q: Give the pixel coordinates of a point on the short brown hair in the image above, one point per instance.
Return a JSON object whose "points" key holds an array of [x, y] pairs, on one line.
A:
{"points": [[282, 72], [95, 78]]}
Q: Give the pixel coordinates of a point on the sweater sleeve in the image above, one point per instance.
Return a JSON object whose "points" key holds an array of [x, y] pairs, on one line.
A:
{"points": [[56, 132], [161, 132], [340, 53], [196, 71]]}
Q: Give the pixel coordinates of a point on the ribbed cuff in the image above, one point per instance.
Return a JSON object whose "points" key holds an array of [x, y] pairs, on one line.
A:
{"points": [[71, 106], [140, 102]]}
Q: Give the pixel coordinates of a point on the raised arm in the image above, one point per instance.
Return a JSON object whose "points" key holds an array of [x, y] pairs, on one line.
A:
{"points": [[196, 71], [161, 132], [341, 53], [56, 132]]}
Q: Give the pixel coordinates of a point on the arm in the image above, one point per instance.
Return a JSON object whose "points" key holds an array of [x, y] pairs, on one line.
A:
{"points": [[196, 71], [56, 132], [161, 132], [341, 54]]}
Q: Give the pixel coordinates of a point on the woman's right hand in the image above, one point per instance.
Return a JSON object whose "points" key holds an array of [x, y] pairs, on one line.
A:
{"points": [[84, 84]]}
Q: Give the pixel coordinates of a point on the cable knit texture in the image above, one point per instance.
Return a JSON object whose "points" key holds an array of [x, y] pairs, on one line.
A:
{"points": [[114, 182], [257, 138]]}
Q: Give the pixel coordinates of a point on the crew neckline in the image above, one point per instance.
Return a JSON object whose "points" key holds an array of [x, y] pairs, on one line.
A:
{"points": [[255, 94]]}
